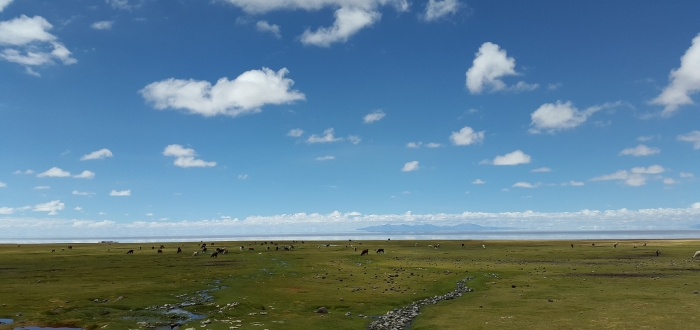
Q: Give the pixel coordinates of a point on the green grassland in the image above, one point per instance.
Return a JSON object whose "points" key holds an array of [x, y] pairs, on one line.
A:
{"points": [[517, 284]]}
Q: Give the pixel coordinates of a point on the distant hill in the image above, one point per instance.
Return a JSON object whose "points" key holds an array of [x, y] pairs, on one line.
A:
{"points": [[464, 227]]}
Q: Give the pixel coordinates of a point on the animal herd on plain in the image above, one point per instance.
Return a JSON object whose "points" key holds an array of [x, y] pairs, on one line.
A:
{"points": [[363, 252]]}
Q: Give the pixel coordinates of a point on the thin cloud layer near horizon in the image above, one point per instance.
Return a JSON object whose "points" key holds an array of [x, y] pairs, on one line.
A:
{"points": [[136, 117]]}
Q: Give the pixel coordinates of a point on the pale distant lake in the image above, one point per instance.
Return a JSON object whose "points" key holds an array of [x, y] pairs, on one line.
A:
{"points": [[476, 235]]}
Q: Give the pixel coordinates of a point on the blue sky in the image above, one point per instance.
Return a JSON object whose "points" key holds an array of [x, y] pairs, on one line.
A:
{"points": [[236, 116]]}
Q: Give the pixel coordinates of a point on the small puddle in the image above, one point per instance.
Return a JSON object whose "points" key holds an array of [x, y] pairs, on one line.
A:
{"points": [[6, 321]]}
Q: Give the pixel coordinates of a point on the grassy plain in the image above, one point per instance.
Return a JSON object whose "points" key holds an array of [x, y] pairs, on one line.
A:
{"points": [[517, 284]]}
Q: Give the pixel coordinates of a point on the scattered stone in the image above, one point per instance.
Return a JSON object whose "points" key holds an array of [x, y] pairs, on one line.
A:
{"points": [[120, 298], [348, 314], [400, 318], [322, 310], [695, 292], [550, 300]]}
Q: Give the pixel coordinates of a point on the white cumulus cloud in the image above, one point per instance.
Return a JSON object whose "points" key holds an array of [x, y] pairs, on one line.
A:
{"points": [[490, 65], [54, 172], [328, 136], [478, 181], [692, 137], [552, 117], [85, 175], [297, 132], [99, 154], [466, 136], [636, 177], [120, 193], [2, 184], [514, 158], [576, 183], [524, 185], [436, 9], [26, 41], [325, 158], [541, 170], [414, 145], [351, 16], [354, 139], [684, 81], [410, 166], [374, 116], [242, 176], [185, 157], [3, 4], [243, 95], [264, 26], [640, 150], [52, 207], [38, 187], [102, 25], [348, 21], [82, 193]]}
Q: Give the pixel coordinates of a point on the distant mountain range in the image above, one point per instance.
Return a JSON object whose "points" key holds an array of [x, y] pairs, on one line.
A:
{"points": [[464, 227]]}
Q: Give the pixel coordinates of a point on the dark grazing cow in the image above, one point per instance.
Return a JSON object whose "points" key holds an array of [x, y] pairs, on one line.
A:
{"points": [[251, 249], [658, 253], [364, 252], [572, 245], [70, 247], [277, 248], [162, 246], [53, 250], [286, 248], [214, 255], [462, 244], [130, 252], [179, 250], [160, 251], [204, 249], [381, 251]]}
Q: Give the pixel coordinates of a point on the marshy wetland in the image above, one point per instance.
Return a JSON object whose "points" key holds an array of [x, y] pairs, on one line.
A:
{"points": [[514, 284]]}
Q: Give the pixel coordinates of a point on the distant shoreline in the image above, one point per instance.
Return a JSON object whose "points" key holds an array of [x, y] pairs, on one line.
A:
{"points": [[499, 235]]}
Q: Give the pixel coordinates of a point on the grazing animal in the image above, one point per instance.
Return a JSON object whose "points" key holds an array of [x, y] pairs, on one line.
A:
{"points": [[645, 244], [355, 249], [462, 244], [381, 251], [430, 246], [214, 255], [286, 248], [615, 245], [437, 246], [364, 252], [179, 250], [268, 248], [130, 252], [204, 249], [70, 247], [195, 254], [160, 251], [153, 247], [483, 246], [251, 249], [53, 250], [696, 254], [162, 246], [204, 245], [225, 251], [658, 253], [291, 246], [242, 247], [277, 248], [593, 244], [572, 245]]}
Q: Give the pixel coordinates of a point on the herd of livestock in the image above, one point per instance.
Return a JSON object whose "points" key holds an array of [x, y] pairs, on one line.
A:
{"points": [[269, 245]]}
